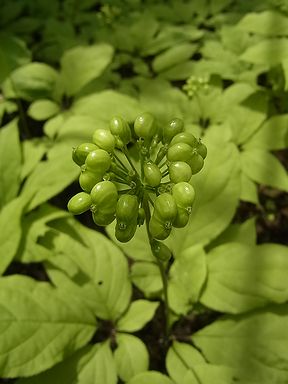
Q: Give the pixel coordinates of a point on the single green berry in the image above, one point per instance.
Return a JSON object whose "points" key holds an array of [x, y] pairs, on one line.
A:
{"points": [[141, 216], [88, 179], [145, 126], [185, 137], [182, 218], [196, 163], [165, 208], [179, 171], [103, 219], [171, 129], [127, 208], [104, 139], [98, 161], [80, 153], [161, 251], [179, 152], [125, 232], [79, 203], [158, 229], [202, 149], [152, 174], [184, 195], [121, 130], [104, 196]]}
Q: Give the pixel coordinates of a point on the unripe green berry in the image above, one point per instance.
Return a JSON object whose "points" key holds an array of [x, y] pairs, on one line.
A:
{"points": [[179, 152], [104, 196], [179, 171], [127, 208], [80, 153], [152, 174], [98, 161], [161, 251], [165, 208], [171, 129], [202, 150], [120, 129], [182, 218], [185, 137], [88, 179], [196, 163], [104, 139], [79, 203], [184, 195], [145, 126], [141, 216], [125, 232], [103, 218]]}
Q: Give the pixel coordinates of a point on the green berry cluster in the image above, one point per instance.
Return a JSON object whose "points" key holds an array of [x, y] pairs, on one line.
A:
{"points": [[196, 84], [114, 186]]}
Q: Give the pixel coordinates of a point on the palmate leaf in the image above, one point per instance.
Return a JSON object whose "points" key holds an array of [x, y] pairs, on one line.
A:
{"points": [[39, 326], [243, 277], [89, 365], [254, 345]]}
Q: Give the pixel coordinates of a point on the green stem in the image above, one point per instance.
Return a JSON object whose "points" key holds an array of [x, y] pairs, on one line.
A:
{"points": [[120, 163], [161, 267], [125, 151]]}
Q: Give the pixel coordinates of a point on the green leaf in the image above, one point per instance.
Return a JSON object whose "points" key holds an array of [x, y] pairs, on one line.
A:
{"points": [[249, 190], [10, 162], [43, 109], [151, 377], [75, 130], [131, 356], [30, 82], [269, 52], [101, 264], [242, 277], [189, 270], [13, 54], [272, 135], [263, 168], [267, 23], [80, 65], [10, 231], [217, 193], [89, 365], [186, 365], [146, 277], [138, 315], [32, 151], [106, 104], [255, 345], [49, 178], [173, 56], [244, 233], [39, 327]]}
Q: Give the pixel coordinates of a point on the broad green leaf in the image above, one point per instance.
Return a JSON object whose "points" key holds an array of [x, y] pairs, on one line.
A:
{"points": [[39, 327], [10, 162], [173, 56], [146, 276], [10, 231], [255, 344], [32, 151], [242, 277], [81, 64], [138, 315], [269, 52], [181, 71], [13, 54], [7, 106], [186, 365], [100, 263], [131, 356], [244, 233], [106, 104], [217, 193], [189, 270], [31, 82], [249, 190], [179, 301], [235, 39], [151, 377], [89, 365], [43, 109], [267, 23], [263, 168], [49, 178], [272, 135]]}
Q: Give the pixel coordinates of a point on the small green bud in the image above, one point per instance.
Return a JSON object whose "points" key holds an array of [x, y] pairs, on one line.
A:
{"points": [[145, 126]]}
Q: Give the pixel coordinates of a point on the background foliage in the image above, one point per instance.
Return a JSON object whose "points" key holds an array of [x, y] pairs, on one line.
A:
{"points": [[77, 307]]}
